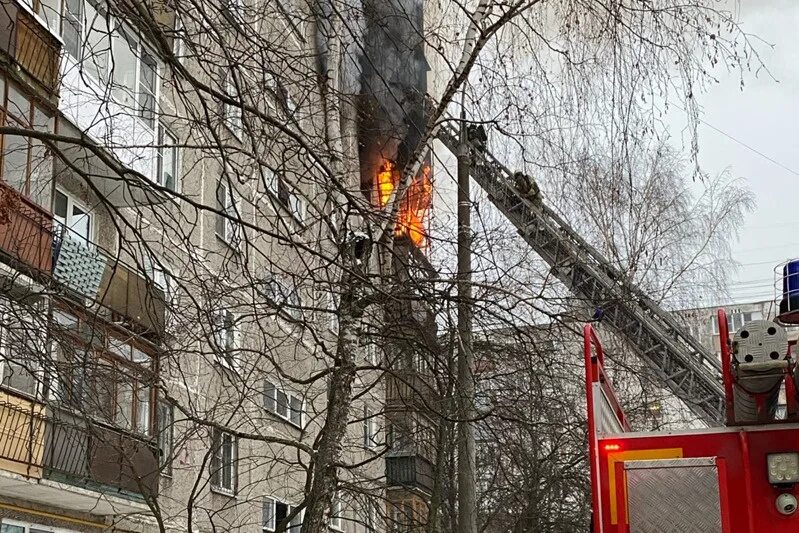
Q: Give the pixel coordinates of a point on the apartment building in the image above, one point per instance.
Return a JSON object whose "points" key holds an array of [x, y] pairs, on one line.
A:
{"points": [[169, 303]]}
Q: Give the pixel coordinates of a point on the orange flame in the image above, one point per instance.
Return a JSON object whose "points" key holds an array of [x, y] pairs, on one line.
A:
{"points": [[415, 207]]}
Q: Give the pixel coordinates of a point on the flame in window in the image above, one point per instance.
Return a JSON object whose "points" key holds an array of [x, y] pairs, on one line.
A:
{"points": [[415, 207]]}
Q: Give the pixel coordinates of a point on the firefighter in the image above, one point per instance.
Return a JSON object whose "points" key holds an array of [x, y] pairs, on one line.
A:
{"points": [[526, 186], [477, 137]]}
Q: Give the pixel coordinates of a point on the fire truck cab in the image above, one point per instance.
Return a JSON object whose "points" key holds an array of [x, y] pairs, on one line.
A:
{"points": [[739, 478]]}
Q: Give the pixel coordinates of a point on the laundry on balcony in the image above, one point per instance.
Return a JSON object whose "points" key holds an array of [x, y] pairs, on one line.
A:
{"points": [[78, 266]]}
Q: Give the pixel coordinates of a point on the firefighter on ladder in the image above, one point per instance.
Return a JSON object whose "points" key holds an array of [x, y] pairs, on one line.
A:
{"points": [[526, 186]]}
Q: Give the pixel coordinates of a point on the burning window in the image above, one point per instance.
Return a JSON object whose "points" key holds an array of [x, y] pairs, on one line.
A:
{"points": [[415, 206]]}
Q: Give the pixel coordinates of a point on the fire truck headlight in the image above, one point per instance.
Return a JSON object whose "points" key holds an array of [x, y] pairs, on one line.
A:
{"points": [[783, 468]]}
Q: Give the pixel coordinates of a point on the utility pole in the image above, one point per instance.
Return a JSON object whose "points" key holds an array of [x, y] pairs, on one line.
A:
{"points": [[467, 522]]}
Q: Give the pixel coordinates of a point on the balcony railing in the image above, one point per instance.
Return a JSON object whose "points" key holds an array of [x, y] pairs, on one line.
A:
{"points": [[21, 435], [26, 232], [99, 458], [30, 44], [409, 471], [37, 442]]}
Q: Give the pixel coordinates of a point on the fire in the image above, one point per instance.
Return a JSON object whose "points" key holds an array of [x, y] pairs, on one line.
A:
{"points": [[385, 183], [415, 207]]}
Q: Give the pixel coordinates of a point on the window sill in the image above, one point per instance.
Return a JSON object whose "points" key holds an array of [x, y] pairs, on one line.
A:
{"points": [[230, 493]]}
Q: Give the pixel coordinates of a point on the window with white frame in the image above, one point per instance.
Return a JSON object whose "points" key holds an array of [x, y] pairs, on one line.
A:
{"points": [[276, 511], [286, 405], [109, 50], [232, 113], [21, 349], [167, 157], [227, 226], [224, 462], [337, 514], [370, 436], [286, 296], [297, 208], [72, 216], [226, 334], [371, 517], [166, 435], [16, 526]]}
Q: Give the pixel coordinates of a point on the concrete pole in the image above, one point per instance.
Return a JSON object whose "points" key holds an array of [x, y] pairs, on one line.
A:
{"points": [[467, 522]]}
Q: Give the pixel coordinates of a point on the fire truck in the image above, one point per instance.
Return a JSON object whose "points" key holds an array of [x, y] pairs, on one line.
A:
{"points": [[742, 477], [740, 474]]}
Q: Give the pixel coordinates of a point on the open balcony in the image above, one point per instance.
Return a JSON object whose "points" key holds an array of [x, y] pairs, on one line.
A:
{"points": [[123, 295], [409, 471], [26, 233], [29, 44], [51, 457]]}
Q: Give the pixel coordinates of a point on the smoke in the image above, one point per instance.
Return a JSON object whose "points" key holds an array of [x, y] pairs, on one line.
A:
{"points": [[393, 83]]}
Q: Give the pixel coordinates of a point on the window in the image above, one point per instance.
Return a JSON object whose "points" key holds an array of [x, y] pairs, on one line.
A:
{"points": [[167, 171], [227, 226], [276, 185], [370, 437], [337, 515], [133, 72], [72, 216], [166, 435], [26, 163], [285, 296], [297, 208], [285, 405], [224, 462], [226, 335], [21, 350], [232, 113], [275, 512], [15, 526]]}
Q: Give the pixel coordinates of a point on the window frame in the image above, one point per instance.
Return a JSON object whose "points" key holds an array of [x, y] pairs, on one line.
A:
{"points": [[231, 206], [117, 29], [273, 523], [270, 403], [23, 319], [370, 429], [217, 465], [228, 339], [232, 115], [166, 433], [163, 133], [72, 202], [30, 120], [337, 514]]}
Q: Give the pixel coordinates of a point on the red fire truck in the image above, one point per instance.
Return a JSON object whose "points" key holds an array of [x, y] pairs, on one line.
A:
{"points": [[739, 478]]}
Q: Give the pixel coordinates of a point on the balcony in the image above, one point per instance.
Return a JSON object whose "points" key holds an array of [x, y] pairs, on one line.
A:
{"points": [[124, 295], [409, 471], [51, 458], [21, 435], [30, 45], [99, 458], [408, 389], [26, 233]]}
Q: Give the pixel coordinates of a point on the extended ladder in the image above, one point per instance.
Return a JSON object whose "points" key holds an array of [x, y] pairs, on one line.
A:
{"points": [[691, 372]]}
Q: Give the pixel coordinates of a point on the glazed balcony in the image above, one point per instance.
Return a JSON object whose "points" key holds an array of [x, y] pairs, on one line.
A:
{"points": [[408, 389], [29, 44]]}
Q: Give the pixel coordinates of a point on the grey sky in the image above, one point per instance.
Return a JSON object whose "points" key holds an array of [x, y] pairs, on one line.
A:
{"points": [[764, 117]]}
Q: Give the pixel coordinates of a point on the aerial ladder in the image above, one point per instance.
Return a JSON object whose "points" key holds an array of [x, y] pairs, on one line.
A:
{"points": [[682, 364]]}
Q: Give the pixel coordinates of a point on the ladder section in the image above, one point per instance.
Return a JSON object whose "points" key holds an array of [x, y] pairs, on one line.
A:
{"points": [[689, 370]]}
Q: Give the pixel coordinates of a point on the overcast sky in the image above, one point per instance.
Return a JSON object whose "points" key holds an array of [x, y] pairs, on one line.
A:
{"points": [[765, 117]]}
